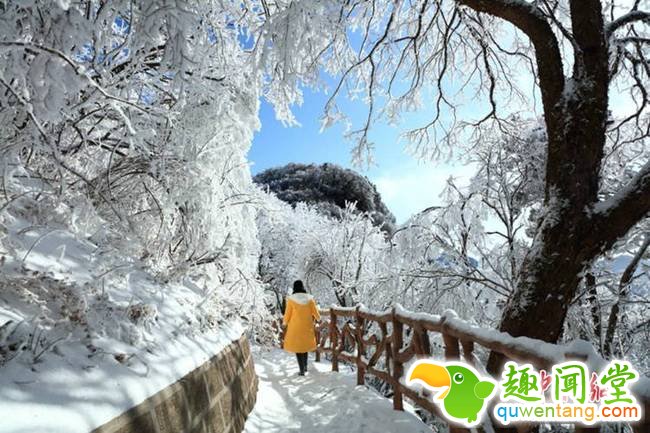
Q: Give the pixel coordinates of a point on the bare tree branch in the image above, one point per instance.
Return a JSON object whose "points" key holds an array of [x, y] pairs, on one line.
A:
{"points": [[530, 20]]}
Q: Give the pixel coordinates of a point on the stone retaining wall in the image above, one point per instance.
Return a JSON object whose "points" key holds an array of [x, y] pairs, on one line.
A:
{"points": [[214, 398]]}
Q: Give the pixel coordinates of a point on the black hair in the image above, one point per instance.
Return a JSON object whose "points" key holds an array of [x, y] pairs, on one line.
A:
{"points": [[298, 287]]}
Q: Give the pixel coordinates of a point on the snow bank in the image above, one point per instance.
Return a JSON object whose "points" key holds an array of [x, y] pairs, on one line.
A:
{"points": [[75, 395], [86, 334]]}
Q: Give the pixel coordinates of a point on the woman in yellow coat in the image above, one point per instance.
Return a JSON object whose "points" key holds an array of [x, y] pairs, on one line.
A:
{"points": [[299, 316]]}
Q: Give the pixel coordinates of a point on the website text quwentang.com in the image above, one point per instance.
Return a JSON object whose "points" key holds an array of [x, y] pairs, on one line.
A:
{"points": [[565, 412]]}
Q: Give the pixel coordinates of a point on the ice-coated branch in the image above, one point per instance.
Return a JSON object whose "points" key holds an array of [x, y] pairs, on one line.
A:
{"points": [[531, 21], [623, 291], [628, 18], [76, 67], [620, 212]]}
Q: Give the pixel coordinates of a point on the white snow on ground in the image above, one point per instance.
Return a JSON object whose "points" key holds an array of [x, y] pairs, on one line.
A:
{"points": [[121, 335], [321, 402], [76, 395]]}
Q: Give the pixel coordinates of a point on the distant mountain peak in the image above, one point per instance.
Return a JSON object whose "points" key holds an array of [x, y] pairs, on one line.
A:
{"points": [[328, 187]]}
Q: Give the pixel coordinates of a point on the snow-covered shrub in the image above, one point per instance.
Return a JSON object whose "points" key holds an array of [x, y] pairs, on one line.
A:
{"points": [[126, 125]]}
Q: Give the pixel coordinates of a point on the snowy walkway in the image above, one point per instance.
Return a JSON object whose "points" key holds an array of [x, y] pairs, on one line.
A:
{"points": [[321, 402]]}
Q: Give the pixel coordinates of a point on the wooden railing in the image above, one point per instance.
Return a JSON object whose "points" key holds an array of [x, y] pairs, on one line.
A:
{"points": [[381, 343]]}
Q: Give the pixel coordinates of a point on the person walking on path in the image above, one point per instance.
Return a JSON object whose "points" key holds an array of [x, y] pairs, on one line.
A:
{"points": [[299, 316]]}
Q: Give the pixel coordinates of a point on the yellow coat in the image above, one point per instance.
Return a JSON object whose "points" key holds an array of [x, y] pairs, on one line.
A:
{"points": [[299, 318]]}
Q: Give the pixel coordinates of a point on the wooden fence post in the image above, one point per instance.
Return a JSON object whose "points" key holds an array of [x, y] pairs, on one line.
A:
{"points": [[422, 349], [452, 348], [452, 352], [388, 347], [468, 352], [317, 328], [423, 345], [334, 340], [361, 371], [398, 368]]}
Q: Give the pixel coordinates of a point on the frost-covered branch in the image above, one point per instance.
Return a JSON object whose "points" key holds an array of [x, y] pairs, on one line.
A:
{"points": [[629, 18], [530, 20], [620, 212]]}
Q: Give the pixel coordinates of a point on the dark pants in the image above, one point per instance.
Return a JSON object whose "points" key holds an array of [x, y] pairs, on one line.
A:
{"points": [[302, 361]]}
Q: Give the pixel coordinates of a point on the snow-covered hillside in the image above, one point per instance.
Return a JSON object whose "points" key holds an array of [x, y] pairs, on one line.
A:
{"points": [[86, 333]]}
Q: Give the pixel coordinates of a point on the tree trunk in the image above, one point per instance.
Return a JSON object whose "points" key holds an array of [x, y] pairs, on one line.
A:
{"points": [[575, 227], [548, 279], [565, 242]]}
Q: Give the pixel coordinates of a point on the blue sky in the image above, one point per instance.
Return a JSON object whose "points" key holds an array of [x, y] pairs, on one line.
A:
{"points": [[406, 184]]}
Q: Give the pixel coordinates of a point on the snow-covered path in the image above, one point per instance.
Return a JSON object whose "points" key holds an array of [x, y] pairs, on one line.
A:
{"points": [[321, 402]]}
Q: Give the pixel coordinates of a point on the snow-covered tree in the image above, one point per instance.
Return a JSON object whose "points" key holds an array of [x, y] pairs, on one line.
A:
{"points": [[340, 259], [577, 52], [128, 123]]}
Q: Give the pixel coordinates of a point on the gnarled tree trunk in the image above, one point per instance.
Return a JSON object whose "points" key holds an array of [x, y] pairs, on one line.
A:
{"points": [[575, 227]]}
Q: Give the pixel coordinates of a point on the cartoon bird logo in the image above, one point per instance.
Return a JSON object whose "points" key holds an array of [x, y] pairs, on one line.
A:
{"points": [[466, 392]]}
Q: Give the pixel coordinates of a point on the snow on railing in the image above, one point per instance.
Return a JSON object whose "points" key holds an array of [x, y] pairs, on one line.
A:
{"points": [[368, 337]]}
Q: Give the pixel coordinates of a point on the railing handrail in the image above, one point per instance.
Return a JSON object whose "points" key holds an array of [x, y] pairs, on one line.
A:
{"points": [[456, 334]]}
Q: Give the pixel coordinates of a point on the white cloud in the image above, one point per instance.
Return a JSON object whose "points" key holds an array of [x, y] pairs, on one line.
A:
{"points": [[411, 188]]}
